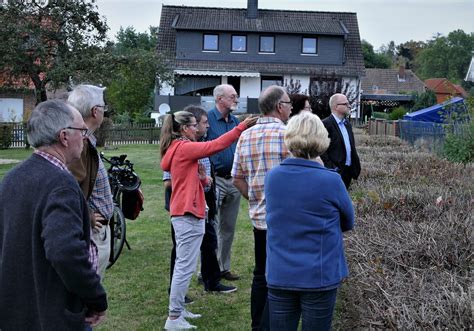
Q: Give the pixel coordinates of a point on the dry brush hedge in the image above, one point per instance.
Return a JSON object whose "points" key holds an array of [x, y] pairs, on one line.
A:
{"points": [[410, 253]]}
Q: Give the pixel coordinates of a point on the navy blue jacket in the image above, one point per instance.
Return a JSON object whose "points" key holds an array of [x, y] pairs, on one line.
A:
{"points": [[46, 279], [308, 208]]}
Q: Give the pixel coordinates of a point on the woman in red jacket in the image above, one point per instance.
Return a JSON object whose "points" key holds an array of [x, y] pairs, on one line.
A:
{"points": [[179, 155]]}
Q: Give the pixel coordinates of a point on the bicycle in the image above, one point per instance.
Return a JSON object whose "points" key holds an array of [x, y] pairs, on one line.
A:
{"points": [[122, 178]]}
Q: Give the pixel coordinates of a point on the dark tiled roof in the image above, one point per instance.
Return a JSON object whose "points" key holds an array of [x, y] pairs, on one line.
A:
{"points": [[387, 80], [277, 21], [283, 21]]}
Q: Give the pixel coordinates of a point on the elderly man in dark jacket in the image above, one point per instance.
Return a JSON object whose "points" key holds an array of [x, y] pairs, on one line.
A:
{"points": [[47, 278]]}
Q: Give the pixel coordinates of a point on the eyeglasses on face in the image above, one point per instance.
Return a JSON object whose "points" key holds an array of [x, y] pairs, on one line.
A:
{"points": [[232, 97], [104, 107], [347, 104], [287, 102], [84, 131]]}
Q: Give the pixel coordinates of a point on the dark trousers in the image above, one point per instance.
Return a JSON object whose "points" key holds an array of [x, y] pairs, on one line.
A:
{"points": [[210, 270], [314, 308], [346, 175], [259, 292]]}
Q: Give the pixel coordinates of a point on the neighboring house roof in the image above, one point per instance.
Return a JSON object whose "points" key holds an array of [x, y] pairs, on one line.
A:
{"points": [[386, 81], [444, 86], [276, 21]]}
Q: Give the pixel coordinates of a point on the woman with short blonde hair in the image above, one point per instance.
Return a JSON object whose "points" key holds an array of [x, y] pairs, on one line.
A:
{"points": [[308, 208], [305, 136]]}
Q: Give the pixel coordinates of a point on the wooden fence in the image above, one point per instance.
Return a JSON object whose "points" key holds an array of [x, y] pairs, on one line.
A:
{"points": [[116, 135]]}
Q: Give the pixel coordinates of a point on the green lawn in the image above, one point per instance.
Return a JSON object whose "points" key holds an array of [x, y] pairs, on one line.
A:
{"points": [[137, 283]]}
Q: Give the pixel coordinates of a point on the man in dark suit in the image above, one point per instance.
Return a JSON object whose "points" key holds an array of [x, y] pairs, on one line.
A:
{"points": [[341, 154]]}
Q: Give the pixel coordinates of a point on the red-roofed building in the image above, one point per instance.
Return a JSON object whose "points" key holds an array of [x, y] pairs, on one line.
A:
{"points": [[444, 89]]}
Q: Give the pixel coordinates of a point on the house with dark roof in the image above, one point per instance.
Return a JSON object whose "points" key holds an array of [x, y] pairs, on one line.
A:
{"points": [[384, 89], [254, 48], [444, 89]]}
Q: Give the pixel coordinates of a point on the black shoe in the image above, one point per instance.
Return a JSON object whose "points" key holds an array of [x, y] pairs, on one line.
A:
{"points": [[188, 300], [227, 275], [220, 288]]}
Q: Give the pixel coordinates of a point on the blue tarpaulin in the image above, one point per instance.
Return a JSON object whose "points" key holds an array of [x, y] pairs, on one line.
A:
{"points": [[438, 113]]}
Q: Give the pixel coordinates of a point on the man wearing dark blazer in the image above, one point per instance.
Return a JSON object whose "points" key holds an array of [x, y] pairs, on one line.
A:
{"points": [[341, 154]]}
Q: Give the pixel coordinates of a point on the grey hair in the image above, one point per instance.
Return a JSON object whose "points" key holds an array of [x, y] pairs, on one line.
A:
{"points": [[85, 97], [46, 120], [269, 99], [305, 136], [219, 90]]}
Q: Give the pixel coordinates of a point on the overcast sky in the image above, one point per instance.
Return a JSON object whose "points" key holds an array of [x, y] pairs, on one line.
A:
{"points": [[380, 21]]}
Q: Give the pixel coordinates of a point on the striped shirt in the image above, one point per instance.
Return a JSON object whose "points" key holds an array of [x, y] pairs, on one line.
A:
{"points": [[259, 149], [101, 198], [93, 251]]}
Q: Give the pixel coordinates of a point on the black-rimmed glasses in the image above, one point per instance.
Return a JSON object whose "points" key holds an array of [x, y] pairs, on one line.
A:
{"points": [[347, 104], [84, 131]]}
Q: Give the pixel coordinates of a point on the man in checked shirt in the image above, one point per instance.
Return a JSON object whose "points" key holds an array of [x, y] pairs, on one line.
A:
{"points": [[91, 173]]}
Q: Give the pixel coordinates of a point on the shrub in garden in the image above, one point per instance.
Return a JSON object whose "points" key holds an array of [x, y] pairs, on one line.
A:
{"points": [[410, 252], [6, 131], [397, 113]]}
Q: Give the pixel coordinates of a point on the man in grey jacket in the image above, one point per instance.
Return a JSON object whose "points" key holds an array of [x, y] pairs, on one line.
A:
{"points": [[47, 275]]}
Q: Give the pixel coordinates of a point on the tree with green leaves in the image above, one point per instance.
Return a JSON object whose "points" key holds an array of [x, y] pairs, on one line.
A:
{"points": [[373, 59], [130, 90], [408, 51], [446, 57], [49, 46]]}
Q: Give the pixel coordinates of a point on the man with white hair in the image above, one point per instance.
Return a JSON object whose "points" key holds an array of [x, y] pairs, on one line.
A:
{"points": [[90, 171], [221, 121], [47, 279]]}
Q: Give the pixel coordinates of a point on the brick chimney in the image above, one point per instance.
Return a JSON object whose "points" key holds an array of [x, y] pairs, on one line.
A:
{"points": [[252, 8], [401, 73]]}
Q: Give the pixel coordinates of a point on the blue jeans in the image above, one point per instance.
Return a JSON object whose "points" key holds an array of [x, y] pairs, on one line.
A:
{"points": [[315, 308]]}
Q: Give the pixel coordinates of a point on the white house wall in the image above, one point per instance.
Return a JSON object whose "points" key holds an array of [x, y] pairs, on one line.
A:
{"points": [[302, 79], [167, 89], [250, 87]]}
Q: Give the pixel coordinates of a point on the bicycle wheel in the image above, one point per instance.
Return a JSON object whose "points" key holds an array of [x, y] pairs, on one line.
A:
{"points": [[118, 235]]}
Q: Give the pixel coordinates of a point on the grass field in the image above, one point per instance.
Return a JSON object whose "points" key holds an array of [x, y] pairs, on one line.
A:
{"points": [[393, 248], [137, 284]]}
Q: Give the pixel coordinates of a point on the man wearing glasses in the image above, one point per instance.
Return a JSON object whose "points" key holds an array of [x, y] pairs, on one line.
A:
{"points": [[91, 173], [221, 121], [341, 154], [259, 149], [47, 280]]}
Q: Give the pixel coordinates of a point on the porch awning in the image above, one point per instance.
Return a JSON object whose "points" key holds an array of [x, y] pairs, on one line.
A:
{"points": [[217, 73]]}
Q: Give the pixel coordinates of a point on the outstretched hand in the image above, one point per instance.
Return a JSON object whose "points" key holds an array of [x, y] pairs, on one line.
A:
{"points": [[250, 121]]}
